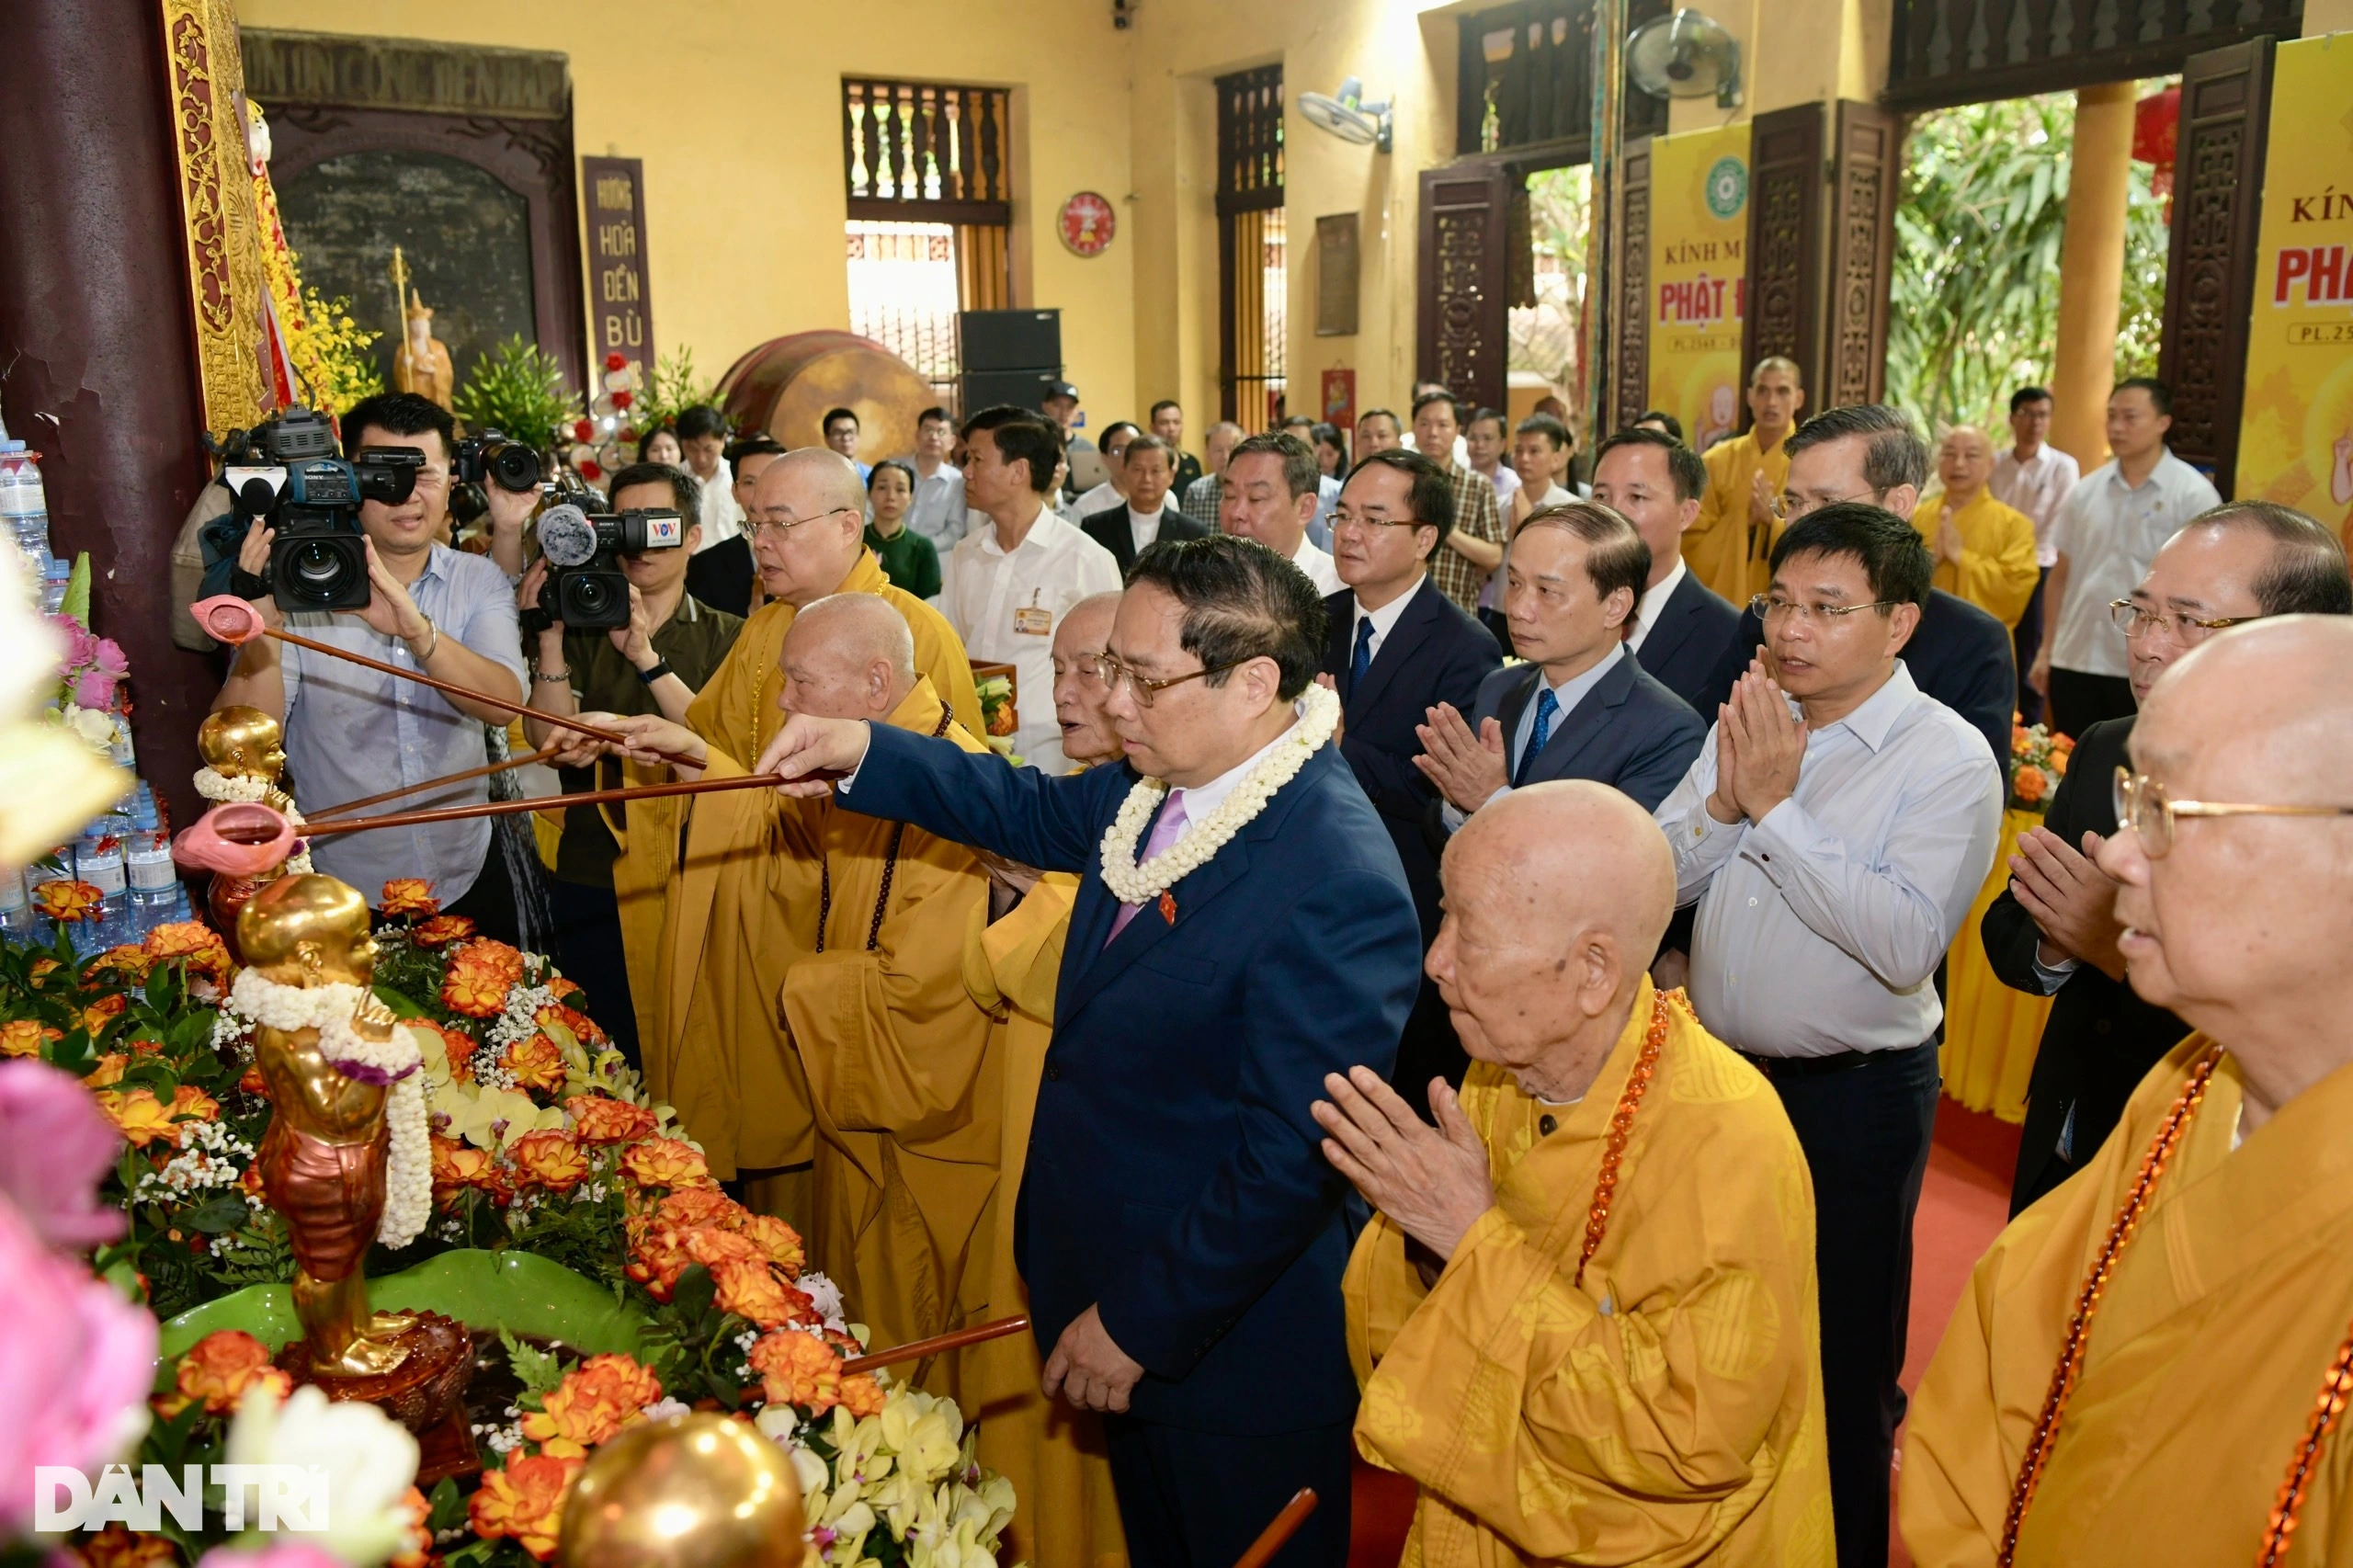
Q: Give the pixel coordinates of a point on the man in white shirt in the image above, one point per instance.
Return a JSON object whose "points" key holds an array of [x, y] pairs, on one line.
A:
{"points": [[1270, 495], [1147, 517], [2108, 531], [938, 513], [2033, 477], [1535, 457], [1484, 442], [1835, 829], [1113, 491], [1006, 586], [702, 437], [1680, 632]]}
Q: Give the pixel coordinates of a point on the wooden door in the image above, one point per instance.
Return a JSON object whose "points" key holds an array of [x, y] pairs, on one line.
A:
{"points": [[1464, 339]]}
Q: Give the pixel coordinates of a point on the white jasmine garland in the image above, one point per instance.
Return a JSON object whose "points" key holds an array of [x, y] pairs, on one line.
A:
{"points": [[1319, 716]]}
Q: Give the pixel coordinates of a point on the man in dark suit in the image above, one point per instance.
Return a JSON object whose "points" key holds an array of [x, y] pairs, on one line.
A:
{"points": [[1181, 1234], [2053, 931], [1395, 645], [1581, 706], [1149, 516], [1679, 629]]}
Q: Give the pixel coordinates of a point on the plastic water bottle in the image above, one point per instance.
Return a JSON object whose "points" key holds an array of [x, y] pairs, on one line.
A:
{"points": [[144, 817], [57, 576], [17, 922], [24, 505], [98, 860], [155, 891]]}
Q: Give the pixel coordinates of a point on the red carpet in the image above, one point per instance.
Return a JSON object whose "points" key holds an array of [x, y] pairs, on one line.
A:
{"points": [[1963, 1206]]}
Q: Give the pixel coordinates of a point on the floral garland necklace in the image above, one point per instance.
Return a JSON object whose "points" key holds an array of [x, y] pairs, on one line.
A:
{"points": [[335, 1009], [1319, 716], [218, 787]]}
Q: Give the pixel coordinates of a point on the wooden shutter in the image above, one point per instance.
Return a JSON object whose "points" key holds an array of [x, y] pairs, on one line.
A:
{"points": [[1463, 341], [1868, 166], [1632, 327], [1785, 245], [2209, 275]]}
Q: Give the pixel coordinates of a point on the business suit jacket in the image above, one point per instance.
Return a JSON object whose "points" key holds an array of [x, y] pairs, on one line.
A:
{"points": [[1108, 528], [1696, 628], [1958, 654], [1629, 731], [2101, 1038], [1175, 1180]]}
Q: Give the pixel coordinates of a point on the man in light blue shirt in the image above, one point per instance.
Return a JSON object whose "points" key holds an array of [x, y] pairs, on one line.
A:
{"points": [[1835, 829], [352, 732], [940, 513]]}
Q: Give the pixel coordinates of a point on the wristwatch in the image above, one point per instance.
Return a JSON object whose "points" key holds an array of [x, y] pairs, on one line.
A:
{"points": [[661, 667]]}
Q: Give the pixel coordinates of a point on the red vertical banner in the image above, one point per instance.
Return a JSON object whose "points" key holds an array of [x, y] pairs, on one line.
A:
{"points": [[621, 310], [1339, 402]]}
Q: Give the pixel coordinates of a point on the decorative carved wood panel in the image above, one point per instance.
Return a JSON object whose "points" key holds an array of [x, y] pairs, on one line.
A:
{"points": [[1462, 343], [1785, 249], [1956, 52], [2210, 276], [1524, 80], [1632, 369], [926, 152], [1869, 167]]}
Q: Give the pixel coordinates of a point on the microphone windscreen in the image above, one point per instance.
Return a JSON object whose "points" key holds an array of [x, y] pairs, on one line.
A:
{"points": [[566, 536]]}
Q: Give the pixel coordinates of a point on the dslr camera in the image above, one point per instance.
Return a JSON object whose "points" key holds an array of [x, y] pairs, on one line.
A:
{"points": [[489, 458], [288, 472], [586, 588]]}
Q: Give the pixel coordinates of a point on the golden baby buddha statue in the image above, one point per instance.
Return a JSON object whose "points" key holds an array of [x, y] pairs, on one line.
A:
{"points": [[244, 755]]}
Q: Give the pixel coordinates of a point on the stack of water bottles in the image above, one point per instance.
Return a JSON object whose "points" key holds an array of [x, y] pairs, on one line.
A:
{"points": [[24, 511]]}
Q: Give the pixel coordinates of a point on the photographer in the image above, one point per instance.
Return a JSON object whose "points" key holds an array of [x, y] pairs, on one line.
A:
{"points": [[352, 732], [654, 665]]}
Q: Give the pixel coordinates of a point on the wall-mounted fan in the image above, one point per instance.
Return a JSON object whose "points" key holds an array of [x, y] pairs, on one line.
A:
{"points": [[1346, 116], [1686, 55]]}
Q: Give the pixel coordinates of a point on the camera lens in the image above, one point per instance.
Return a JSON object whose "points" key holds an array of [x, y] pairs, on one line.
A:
{"points": [[318, 569], [592, 593], [516, 467]]}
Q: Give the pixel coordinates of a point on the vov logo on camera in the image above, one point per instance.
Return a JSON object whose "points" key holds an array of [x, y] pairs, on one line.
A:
{"points": [[254, 1497]]}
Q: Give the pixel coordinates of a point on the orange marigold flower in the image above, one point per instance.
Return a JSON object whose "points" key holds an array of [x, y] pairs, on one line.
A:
{"points": [[457, 1166], [563, 987], [524, 1502], [460, 1048], [666, 1162], [2029, 784], [748, 1285], [712, 1247], [118, 1547], [861, 1395], [67, 900], [250, 1183], [193, 940], [251, 1081], [108, 1071], [441, 930], [138, 1114], [778, 1242], [2058, 763], [476, 990], [409, 896], [536, 1063], [25, 1037], [594, 1402], [416, 1541], [102, 1012], [550, 1159], [192, 1104], [800, 1370], [220, 1368], [699, 1206], [597, 1119], [129, 960], [658, 1257], [2020, 739], [584, 1027]]}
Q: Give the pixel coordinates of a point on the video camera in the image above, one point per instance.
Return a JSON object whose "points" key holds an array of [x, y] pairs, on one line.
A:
{"points": [[586, 588], [489, 458], [286, 472]]}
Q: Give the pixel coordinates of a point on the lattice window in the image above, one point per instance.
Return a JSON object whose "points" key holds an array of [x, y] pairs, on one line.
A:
{"points": [[1526, 79], [1252, 273], [904, 292], [1942, 52]]}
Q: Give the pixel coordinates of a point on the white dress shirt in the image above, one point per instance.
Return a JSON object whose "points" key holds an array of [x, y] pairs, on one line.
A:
{"points": [[1820, 927], [722, 520], [1202, 801], [1653, 600], [1090, 502], [2036, 487], [985, 591], [1491, 595], [1384, 618], [2110, 532], [1144, 528], [1318, 566], [1505, 479], [938, 513]]}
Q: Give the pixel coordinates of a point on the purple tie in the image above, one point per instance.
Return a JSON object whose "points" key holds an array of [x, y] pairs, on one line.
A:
{"points": [[1164, 833]]}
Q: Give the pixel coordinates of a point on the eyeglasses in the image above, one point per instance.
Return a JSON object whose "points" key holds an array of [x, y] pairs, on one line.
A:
{"points": [[2143, 805], [1108, 669], [1786, 506], [2188, 630], [1345, 520], [1768, 609], [784, 525]]}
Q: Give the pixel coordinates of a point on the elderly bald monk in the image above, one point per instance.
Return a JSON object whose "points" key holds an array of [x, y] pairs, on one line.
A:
{"points": [[895, 1053], [1065, 1516], [2187, 1409], [708, 947], [1584, 1316], [1984, 550]]}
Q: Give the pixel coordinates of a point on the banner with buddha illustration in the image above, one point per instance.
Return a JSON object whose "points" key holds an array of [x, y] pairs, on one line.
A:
{"points": [[1699, 279], [2296, 430]]}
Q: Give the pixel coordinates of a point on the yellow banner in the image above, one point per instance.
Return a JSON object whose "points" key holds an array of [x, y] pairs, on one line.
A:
{"points": [[2296, 429], [1699, 279]]}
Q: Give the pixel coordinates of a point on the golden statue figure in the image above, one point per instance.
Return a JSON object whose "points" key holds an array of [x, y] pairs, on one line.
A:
{"points": [[322, 1159], [421, 363], [245, 753]]}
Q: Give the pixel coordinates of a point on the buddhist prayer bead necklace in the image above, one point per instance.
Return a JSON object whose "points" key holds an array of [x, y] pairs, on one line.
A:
{"points": [[1622, 1127]]}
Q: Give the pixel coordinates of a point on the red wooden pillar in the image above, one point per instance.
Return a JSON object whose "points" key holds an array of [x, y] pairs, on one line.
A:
{"points": [[96, 335]]}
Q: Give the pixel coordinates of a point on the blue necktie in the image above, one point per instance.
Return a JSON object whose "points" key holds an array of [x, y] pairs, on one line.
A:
{"points": [[1363, 659], [1547, 705]]}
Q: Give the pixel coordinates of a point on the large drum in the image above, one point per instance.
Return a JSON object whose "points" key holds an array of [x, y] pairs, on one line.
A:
{"points": [[785, 386]]}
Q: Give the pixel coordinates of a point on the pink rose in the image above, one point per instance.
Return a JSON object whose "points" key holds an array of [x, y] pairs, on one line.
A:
{"points": [[81, 646], [111, 657], [76, 1367], [94, 690], [55, 1147]]}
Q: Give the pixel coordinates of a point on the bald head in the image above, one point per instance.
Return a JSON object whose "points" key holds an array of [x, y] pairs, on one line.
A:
{"points": [[1079, 696], [1556, 897], [815, 509], [1964, 462], [847, 657], [1086, 627], [2267, 706]]}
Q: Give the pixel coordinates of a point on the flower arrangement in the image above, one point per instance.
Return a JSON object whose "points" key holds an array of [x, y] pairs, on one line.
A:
{"points": [[2037, 761]]}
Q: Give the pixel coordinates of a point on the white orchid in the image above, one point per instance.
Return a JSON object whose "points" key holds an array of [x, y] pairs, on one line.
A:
{"points": [[369, 1458]]}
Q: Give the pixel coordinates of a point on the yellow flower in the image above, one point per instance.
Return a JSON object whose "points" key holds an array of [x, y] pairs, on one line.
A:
{"points": [[550, 1159], [192, 1104], [778, 1242], [118, 1547], [409, 896], [108, 1072], [441, 930], [198, 943], [457, 1166], [596, 1119], [65, 900], [491, 1118], [524, 1502], [138, 1114], [536, 1063], [667, 1161], [130, 960], [25, 1037], [798, 1369], [596, 1401]]}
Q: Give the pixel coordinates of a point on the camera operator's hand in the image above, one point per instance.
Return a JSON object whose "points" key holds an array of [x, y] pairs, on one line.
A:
{"points": [[509, 510], [635, 641], [391, 611], [253, 570], [527, 598]]}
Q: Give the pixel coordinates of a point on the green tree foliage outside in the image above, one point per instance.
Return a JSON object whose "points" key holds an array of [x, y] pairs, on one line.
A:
{"points": [[1978, 227]]}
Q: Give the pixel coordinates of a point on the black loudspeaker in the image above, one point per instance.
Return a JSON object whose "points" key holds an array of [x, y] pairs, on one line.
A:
{"points": [[1009, 340], [1022, 389]]}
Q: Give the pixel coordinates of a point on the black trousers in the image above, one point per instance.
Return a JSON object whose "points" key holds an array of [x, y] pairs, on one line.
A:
{"points": [[2080, 701], [2026, 642], [1865, 1131], [490, 902], [1428, 1049], [589, 951], [1199, 1499]]}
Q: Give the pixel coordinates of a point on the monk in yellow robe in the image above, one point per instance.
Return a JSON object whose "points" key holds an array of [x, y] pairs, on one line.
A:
{"points": [[1065, 1514], [1728, 545], [1585, 1317], [1984, 550], [2194, 1428], [895, 1053]]}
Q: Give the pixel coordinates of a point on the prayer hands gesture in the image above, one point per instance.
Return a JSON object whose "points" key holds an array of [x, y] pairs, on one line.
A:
{"points": [[2070, 898], [1466, 769], [1088, 1369], [811, 753], [1949, 544], [1761, 501], [1759, 749], [1432, 1181]]}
